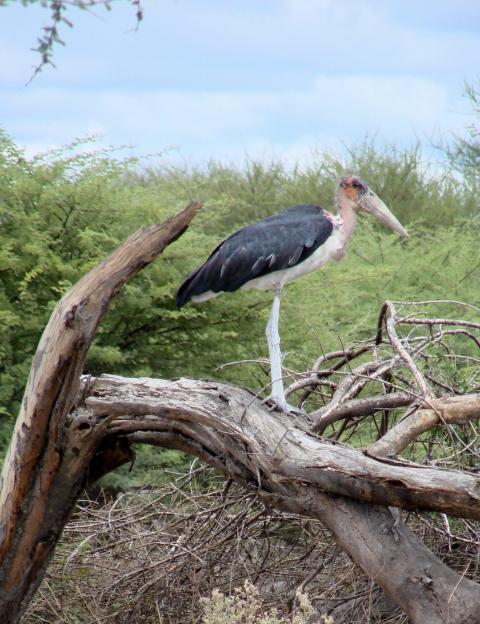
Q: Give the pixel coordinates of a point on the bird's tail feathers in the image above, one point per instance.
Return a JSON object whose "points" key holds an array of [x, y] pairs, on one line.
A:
{"points": [[183, 294], [194, 284]]}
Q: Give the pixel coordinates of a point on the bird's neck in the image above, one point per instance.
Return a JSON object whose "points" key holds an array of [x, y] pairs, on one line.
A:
{"points": [[348, 216]]}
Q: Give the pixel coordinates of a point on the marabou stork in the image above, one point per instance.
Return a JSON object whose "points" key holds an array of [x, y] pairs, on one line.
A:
{"points": [[280, 248]]}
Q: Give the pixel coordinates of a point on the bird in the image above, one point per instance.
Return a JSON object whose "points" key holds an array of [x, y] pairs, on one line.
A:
{"points": [[276, 250]]}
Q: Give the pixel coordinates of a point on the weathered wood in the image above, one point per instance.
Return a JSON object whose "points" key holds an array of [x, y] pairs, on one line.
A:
{"points": [[421, 584], [448, 410], [49, 455], [363, 407], [219, 416], [294, 471]]}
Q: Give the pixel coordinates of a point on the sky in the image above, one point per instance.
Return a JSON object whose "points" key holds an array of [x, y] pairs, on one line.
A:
{"points": [[235, 79]]}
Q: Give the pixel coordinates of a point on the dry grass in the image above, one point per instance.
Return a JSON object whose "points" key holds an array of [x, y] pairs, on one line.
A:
{"points": [[151, 555]]}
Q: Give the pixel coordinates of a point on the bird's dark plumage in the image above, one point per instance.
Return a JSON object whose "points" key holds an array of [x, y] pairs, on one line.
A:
{"points": [[272, 244]]}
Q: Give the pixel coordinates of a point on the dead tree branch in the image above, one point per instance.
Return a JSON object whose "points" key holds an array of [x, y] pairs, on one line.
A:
{"points": [[229, 423], [458, 410], [389, 313], [48, 459], [296, 472]]}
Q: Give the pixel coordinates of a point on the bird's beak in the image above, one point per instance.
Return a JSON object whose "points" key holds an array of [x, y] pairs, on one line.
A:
{"points": [[374, 205]]}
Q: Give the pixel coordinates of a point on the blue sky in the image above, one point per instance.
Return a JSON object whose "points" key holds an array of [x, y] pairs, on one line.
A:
{"points": [[224, 79]]}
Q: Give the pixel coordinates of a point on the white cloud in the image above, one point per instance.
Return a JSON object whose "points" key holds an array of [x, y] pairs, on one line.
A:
{"points": [[216, 124]]}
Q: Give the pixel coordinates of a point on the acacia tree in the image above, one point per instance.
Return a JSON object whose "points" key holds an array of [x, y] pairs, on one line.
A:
{"points": [[72, 429], [464, 154]]}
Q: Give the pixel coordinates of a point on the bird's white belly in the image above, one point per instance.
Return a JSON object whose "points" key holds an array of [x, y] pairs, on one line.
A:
{"points": [[332, 248]]}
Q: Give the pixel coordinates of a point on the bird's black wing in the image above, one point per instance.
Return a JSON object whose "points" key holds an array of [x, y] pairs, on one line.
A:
{"points": [[272, 244]]}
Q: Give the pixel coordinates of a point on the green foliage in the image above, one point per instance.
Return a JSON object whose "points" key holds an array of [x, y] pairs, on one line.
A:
{"points": [[63, 212], [340, 304], [464, 156], [150, 468]]}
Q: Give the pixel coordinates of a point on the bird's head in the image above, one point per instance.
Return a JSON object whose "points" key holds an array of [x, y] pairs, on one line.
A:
{"points": [[353, 191]]}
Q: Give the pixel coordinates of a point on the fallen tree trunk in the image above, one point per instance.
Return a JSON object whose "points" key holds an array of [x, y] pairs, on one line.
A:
{"points": [[228, 421], [294, 471]]}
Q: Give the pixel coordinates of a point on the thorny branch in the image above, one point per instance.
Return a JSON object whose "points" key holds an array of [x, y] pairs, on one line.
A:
{"points": [[50, 36]]}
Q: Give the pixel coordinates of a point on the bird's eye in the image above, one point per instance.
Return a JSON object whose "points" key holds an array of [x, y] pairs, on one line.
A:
{"points": [[357, 184]]}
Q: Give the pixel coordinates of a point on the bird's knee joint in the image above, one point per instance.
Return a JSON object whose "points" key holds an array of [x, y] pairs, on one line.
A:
{"points": [[272, 335]]}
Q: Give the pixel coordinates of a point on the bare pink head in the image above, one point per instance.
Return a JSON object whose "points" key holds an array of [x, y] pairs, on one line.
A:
{"points": [[354, 192]]}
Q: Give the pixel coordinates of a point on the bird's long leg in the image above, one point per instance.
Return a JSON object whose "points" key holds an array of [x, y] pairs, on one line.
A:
{"points": [[273, 338], [277, 395]]}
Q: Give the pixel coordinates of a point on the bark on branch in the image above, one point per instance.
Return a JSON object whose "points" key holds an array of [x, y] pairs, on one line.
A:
{"points": [[230, 422], [449, 410], [48, 458], [297, 472]]}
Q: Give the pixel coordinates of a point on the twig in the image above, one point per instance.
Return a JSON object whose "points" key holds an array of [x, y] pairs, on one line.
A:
{"points": [[406, 357]]}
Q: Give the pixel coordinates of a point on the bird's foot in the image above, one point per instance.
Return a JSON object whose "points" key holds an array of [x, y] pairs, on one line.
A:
{"points": [[280, 404]]}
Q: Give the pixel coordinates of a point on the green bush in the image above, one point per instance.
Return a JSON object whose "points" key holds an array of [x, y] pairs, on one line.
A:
{"points": [[464, 154]]}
